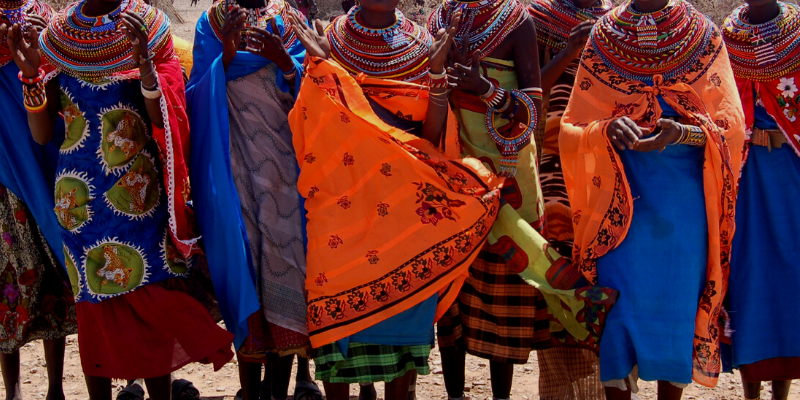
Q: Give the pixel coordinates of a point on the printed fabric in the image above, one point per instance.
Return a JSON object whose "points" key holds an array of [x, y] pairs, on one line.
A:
{"points": [[700, 87], [241, 289]]}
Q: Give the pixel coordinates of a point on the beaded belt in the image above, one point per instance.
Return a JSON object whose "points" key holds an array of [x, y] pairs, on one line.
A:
{"points": [[769, 138]]}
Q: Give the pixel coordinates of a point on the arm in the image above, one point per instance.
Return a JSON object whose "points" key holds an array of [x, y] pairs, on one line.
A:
{"points": [[526, 60], [559, 63], [135, 28], [42, 101], [436, 115]]}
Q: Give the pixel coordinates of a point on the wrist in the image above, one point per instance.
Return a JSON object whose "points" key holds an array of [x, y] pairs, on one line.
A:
{"points": [[286, 64]]}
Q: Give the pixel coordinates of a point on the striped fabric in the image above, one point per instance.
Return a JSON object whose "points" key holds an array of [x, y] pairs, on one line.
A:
{"points": [[497, 315], [369, 362], [569, 374]]}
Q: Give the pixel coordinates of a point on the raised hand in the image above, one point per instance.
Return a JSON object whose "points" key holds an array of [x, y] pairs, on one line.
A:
{"points": [[270, 46], [578, 37], [443, 43], [24, 48], [313, 39], [135, 28], [37, 20], [469, 79], [232, 34]]}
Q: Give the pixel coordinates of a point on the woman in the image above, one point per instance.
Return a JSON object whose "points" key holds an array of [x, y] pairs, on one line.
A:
{"points": [[392, 222], [763, 263], [247, 66], [37, 301], [122, 191], [518, 280], [562, 28], [650, 154]]}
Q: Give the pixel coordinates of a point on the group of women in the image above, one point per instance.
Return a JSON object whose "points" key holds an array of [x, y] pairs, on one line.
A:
{"points": [[336, 192]]}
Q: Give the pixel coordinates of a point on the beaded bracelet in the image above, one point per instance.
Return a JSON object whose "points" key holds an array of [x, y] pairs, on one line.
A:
{"points": [[694, 136], [34, 97], [434, 76], [290, 76], [498, 98], [489, 93], [31, 81], [533, 92], [518, 137], [436, 82]]}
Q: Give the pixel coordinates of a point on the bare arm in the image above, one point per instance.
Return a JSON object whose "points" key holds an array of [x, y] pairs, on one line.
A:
{"points": [[134, 27], [559, 63], [436, 115]]}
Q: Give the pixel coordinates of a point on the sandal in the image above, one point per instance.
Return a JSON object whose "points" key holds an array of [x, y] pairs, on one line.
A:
{"points": [[305, 390], [184, 390], [131, 392]]}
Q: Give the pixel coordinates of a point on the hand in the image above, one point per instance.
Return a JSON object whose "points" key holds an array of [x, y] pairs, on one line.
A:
{"points": [[314, 39], [37, 20], [670, 132], [578, 37], [270, 46], [24, 48], [135, 28], [469, 79], [232, 34], [443, 43], [624, 133]]}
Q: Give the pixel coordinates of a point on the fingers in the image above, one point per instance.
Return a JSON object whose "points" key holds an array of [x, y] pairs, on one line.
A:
{"points": [[37, 21], [455, 21], [127, 29], [476, 61], [32, 36], [273, 24], [621, 135], [633, 127], [320, 27]]}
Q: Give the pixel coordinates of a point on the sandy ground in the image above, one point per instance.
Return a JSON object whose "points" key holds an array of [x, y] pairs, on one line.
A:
{"points": [[223, 384]]}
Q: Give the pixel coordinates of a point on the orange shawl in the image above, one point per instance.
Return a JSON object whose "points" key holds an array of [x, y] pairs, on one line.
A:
{"points": [[597, 187], [391, 221]]}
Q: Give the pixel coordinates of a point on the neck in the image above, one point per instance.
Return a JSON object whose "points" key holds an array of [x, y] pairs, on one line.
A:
{"points": [[377, 19], [759, 14], [252, 3], [585, 3], [649, 6], [94, 8]]}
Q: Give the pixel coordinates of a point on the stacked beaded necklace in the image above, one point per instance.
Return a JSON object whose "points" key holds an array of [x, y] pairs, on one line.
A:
{"points": [[767, 51], [554, 20], [486, 22], [638, 45], [16, 12], [398, 52], [256, 18], [93, 48]]}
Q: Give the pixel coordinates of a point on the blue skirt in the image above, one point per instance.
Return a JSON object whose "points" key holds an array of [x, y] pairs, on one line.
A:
{"points": [[659, 269], [765, 260]]}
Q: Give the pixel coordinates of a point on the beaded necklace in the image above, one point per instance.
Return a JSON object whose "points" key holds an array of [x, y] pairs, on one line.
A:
{"points": [[764, 52], [486, 22], [638, 45], [398, 52], [93, 48], [554, 20], [256, 18]]}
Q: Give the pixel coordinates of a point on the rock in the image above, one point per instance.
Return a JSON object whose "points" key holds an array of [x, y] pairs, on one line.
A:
{"points": [[221, 389], [482, 364], [34, 370], [437, 371], [479, 383], [528, 369], [26, 382]]}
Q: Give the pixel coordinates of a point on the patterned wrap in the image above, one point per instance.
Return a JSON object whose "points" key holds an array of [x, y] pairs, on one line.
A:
{"points": [[697, 82], [773, 82], [116, 171]]}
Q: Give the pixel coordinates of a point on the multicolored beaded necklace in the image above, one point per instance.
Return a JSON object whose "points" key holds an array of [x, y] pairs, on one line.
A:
{"points": [[16, 12], [93, 48], [398, 52], [764, 52], [554, 20], [638, 45], [256, 18], [486, 22]]}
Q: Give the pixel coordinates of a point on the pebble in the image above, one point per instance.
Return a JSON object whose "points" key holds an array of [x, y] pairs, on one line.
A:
{"points": [[437, 371], [479, 383]]}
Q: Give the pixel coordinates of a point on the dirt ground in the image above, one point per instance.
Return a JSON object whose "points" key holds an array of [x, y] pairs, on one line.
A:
{"points": [[223, 384]]}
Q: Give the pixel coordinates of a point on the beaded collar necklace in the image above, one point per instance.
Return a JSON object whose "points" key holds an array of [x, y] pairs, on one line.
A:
{"points": [[16, 11], [638, 45], [93, 48], [256, 17], [554, 20], [398, 52], [764, 52], [486, 22]]}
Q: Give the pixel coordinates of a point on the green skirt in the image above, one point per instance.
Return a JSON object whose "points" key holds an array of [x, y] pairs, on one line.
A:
{"points": [[369, 362]]}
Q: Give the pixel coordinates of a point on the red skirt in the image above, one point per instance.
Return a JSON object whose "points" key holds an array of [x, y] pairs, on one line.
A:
{"points": [[773, 369], [148, 333]]}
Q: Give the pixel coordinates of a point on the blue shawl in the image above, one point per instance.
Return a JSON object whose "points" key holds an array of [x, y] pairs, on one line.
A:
{"points": [[27, 169], [216, 200]]}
